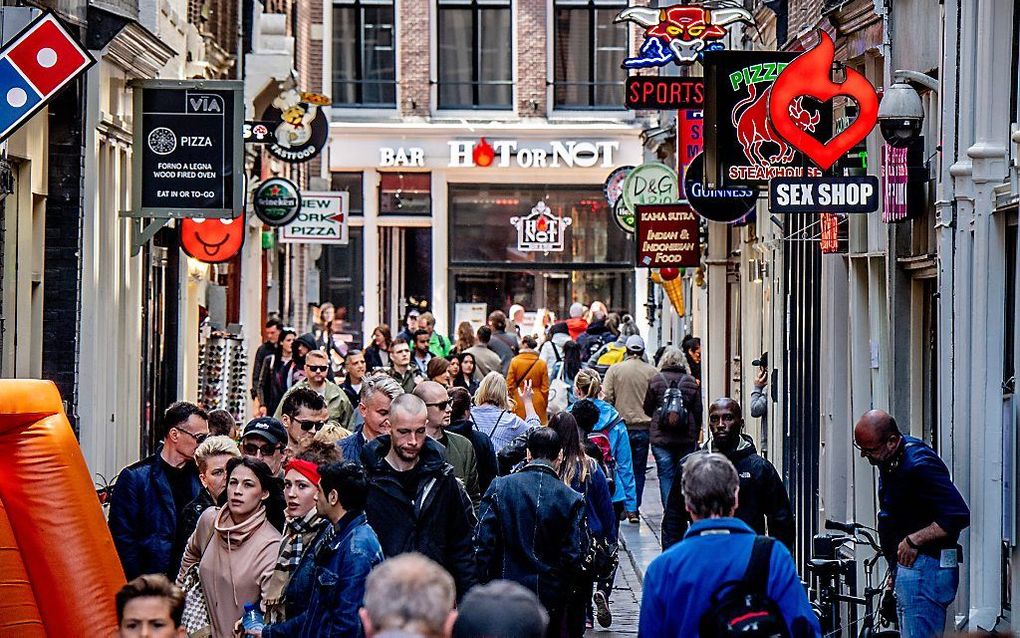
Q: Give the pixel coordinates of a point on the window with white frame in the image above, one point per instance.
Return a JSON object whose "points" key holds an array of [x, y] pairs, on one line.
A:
{"points": [[475, 68], [364, 53], [588, 50]]}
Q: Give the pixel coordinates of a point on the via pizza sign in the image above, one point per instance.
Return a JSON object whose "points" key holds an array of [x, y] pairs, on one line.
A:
{"points": [[322, 220]]}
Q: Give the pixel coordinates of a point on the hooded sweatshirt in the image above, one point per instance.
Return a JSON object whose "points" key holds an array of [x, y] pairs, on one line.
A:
{"points": [[610, 424], [576, 326], [235, 563]]}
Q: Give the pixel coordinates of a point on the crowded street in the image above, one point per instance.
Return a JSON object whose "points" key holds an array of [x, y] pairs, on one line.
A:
{"points": [[509, 318]]}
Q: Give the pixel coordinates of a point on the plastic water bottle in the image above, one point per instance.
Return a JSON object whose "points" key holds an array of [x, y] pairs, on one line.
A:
{"points": [[252, 618]]}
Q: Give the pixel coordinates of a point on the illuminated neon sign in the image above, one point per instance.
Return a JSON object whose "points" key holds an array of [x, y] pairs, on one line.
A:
{"points": [[679, 33], [810, 75]]}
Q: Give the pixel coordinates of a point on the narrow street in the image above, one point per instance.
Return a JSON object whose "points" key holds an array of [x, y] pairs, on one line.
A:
{"points": [[638, 548]]}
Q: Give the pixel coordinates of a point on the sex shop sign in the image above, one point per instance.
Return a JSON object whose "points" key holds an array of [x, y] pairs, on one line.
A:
{"points": [[810, 77]]}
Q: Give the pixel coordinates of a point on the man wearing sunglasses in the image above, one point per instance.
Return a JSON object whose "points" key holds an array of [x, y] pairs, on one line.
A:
{"points": [[316, 368], [460, 453], [265, 439], [304, 414], [150, 494]]}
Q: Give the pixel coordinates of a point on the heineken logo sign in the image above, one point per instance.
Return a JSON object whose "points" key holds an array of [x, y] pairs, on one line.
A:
{"points": [[277, 201]]}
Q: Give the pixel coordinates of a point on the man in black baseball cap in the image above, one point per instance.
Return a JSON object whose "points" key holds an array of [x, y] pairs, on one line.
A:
{"points": [[265, 438], [500, 609]]}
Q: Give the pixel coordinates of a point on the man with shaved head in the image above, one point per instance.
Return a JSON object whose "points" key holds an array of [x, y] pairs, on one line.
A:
{"points": [[921, 515], [764, 504], [460, 453], [415, 502]]}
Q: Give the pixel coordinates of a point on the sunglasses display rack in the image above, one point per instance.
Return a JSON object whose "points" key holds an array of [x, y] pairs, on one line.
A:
{"points": [[223, 375]]}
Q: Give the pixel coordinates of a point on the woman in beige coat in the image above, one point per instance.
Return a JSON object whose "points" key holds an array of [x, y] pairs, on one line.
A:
{"points": [[235, 546]]}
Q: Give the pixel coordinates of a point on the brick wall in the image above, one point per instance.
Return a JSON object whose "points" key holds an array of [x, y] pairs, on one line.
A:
{"points": [[413, 57], [533, 34], [63, 228]]}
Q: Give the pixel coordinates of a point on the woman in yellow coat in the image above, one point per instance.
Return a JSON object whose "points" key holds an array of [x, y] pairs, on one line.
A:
{"points": [[529, 366]]}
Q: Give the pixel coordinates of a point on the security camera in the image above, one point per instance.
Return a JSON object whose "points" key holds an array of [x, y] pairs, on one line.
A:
{"points": [[901, 114]]}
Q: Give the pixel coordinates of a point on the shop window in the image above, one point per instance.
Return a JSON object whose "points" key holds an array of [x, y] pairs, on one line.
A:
{"points": [[481, 231], [405, 194], [475, 54], [588, 50], [352, 183], [364, 59]]}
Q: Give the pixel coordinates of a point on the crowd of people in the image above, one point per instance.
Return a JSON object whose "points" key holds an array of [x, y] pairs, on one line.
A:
{"points": [[431, 486]]}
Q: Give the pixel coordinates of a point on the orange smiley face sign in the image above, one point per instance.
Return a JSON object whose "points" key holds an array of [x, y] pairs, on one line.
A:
{"points": [[212, 240]]}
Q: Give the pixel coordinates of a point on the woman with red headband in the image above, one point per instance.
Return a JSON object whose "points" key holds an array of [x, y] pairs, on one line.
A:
{"points": [[291, 584]]}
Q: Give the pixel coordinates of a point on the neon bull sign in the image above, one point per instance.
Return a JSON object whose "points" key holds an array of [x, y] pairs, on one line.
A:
{"points": [[511, 153]]}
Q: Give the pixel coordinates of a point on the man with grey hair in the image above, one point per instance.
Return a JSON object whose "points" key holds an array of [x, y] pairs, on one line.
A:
{"points": [[717, 550], [409, 595], [377, 392], [415, 502]]}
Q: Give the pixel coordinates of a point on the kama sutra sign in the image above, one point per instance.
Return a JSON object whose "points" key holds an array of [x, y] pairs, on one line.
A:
{"points": [[668, 235]]}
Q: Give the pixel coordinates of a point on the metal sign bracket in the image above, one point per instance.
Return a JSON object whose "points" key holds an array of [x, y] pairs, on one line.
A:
{"points": [[145, 234]]}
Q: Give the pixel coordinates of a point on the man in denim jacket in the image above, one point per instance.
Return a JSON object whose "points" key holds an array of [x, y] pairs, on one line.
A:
{"points": [[344, 556]]}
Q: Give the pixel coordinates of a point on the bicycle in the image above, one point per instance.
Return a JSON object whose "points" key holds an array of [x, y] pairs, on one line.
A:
{"points": [[835, 576]]}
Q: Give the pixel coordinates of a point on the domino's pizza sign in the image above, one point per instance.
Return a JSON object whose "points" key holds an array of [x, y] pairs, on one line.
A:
{"points": [[34, 66]]}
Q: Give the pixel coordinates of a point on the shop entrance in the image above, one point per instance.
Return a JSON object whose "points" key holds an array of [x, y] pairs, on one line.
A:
{"points": [[535, 289], [405, 270]]}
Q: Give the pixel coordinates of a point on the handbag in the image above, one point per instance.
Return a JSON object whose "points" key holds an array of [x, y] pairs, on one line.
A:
{"points": [[195, 618], [559, 393]]}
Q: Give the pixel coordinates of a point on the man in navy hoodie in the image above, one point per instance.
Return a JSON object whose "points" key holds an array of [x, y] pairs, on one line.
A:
{"points": [[679, 584]]}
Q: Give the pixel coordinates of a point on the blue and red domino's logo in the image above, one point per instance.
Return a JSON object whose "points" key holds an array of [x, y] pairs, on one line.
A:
{"points": [[34, 66]]}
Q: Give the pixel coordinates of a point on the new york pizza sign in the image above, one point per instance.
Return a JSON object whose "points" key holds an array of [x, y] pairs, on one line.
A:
{"points": [[34, 66]]}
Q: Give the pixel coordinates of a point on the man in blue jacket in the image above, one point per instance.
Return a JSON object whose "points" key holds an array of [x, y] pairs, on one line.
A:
{"points": [[149, 495], [344, 555], [920, 519], [679, 584]]}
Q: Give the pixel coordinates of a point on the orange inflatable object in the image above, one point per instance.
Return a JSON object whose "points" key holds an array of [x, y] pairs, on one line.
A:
{"points": [[59, 570]]}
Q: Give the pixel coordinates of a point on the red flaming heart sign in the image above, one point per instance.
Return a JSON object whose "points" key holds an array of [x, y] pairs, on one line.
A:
{"points": [[811, 75]]}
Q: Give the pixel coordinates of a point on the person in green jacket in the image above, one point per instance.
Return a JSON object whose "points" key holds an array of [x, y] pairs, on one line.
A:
{"points": [[316, 366], [439, 345], [460, 453]]}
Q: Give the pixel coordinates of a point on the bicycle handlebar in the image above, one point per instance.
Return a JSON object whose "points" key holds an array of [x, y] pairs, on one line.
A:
{"points": [[846, 528]]}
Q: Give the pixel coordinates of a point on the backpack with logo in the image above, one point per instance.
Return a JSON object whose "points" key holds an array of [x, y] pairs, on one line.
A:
{"points": [[595, 343], [614, 353], [743, 607], [672, 413]]}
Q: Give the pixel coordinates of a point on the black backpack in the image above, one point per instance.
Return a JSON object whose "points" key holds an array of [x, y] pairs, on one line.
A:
{"points": [[742, 608], [672, 412]]}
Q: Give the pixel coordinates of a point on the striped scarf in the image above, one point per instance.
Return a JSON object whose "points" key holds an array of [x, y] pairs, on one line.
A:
{"points": [[298, 534]]}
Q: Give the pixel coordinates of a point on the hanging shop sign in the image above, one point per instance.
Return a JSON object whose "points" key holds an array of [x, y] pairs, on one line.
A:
{"points": [[322, 220], [212, 240], [651, 92], [514, 154], [668, 235], [277, 201], [300, 125], [810, 75], [725, 204], [541, 230], [679, 34], [34, 66], [894, 183], [741, 145], [613, 189], [690, 142], [651, 183], [190, 159], [258, 132], [844, 195], [833, 237]]}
